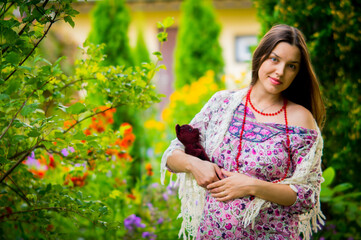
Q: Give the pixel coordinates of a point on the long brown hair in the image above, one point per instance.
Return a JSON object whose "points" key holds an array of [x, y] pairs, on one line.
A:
{"points": [[304, 89]]}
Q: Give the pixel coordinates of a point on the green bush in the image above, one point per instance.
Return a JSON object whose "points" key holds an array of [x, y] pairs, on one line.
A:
{"points": [[110, 25], [197, 49]]}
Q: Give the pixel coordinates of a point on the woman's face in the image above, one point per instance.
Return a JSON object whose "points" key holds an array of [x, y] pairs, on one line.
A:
{"points": [[281, 67]]}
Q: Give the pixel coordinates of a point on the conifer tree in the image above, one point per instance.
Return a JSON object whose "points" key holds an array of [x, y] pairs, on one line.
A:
{"points": [[140, 52], [198, 49], [111, 20]]}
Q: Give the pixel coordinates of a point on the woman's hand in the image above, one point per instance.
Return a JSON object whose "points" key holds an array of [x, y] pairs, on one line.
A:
{"points": [[235, 185], [205, 172]]}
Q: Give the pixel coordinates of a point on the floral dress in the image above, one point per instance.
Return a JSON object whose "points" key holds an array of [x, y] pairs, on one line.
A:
{"points": [[264, 156]]}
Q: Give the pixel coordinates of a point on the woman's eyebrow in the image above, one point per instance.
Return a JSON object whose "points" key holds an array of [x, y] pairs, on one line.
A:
{"points": [[281, 58]]}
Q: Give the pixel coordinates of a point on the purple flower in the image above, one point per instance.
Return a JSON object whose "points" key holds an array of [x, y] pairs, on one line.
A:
{"points": [[65, 152], [133, 222], [32, 162], [165, 197], [160, 221], [148, 235]]}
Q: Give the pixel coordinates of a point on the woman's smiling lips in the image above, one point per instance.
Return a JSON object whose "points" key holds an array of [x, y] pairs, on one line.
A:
{"points": [[275, 81]]}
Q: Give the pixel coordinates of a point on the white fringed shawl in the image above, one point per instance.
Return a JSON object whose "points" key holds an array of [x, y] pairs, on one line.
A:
{"points": [[213, 122]]}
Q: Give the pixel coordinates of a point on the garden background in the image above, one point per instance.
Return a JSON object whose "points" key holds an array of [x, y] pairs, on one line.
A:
{"points": [[82, 130]]}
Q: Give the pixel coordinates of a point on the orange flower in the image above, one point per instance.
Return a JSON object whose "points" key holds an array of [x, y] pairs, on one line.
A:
{"points": [[127, 141], [91, 164], [127, 128], [42, 160], [131, 196], [87, 132], [111, 151], [110, 120], [69, 123], [125, 156], [79, 181], [149, 169], [38, 173]]}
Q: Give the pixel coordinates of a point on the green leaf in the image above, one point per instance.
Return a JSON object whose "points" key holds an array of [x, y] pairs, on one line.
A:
{"points": [[4, 96], [48, 187], [342, 187], [169, 21], [79, 136], [69, 20], [160, 25], [48, 145], [18, 138], [76, 108], [34, 133], [27, 109], [157, 53], [13, 58], [59, 135], [328, 175], [3, 160], [162, 36]]}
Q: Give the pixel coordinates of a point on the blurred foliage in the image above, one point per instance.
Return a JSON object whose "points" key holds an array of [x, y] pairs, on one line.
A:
{"points": [[111, 19], [332, 31], [110, 25], [63, 164], [197, 49], [140, 52]]}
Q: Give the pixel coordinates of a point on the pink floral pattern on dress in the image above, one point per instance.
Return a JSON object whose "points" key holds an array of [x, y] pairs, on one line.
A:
{"points": [[264, 156]]}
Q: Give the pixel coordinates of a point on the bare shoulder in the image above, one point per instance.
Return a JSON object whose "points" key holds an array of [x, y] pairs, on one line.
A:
{"points": [[300, 116]]}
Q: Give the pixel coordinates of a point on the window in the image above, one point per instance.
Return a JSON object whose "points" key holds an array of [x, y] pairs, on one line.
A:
{"points": [[243, 47]]}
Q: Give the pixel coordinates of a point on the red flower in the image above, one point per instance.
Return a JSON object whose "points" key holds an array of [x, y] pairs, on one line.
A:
{"points": [[50, 227], [78, 181], [38, 173], [131, 196], [51, 162], [125, 156], [87, 132]]}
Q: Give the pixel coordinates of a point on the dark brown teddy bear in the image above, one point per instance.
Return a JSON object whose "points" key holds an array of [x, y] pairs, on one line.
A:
{"points": [[190, 138]]}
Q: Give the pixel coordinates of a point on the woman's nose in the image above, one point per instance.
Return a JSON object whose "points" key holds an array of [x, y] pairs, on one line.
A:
{"points": [[280, 69]]}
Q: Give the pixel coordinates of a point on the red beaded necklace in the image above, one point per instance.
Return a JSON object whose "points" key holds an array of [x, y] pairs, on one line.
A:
{"points": [[248, 99]]}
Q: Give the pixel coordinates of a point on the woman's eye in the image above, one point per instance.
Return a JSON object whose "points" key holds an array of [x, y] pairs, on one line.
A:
{"points": [[273, 59], [292, 66]]}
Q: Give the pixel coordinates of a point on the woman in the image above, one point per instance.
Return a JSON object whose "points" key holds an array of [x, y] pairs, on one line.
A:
{"points": [[265, 144]]}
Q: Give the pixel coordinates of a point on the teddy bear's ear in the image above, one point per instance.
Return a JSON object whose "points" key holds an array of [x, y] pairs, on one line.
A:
{"points": [[177, 129]]}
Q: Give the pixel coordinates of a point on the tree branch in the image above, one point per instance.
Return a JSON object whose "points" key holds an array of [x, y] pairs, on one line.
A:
{"points": [[17, 163], [92, 115], [20, 195], [22, 106], [46, 208], [33, 49], [7, 9]]}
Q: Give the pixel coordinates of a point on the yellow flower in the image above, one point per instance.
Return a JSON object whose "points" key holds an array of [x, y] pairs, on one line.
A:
{"points": [[153, 124], [115, 193]]}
